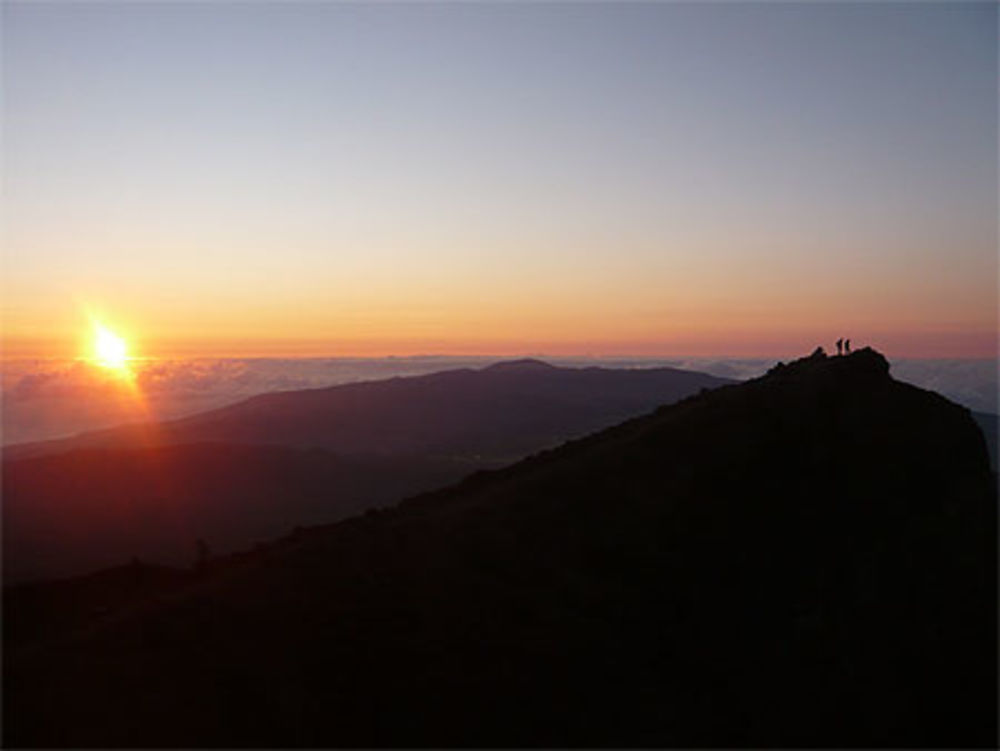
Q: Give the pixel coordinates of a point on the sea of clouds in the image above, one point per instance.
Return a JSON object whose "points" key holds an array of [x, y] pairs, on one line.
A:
{"points": [[43, 399]]}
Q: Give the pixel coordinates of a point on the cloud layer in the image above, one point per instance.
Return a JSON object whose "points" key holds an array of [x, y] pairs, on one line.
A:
{"points": [[45, 399]]}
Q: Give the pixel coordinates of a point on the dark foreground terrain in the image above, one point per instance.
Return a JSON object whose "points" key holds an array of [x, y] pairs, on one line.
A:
{"points": [[806, 559]]}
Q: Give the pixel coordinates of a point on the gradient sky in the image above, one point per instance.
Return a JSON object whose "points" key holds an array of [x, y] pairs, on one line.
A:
{"points": [[277, 178]]}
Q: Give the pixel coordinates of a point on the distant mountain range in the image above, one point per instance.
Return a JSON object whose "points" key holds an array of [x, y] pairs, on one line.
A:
{"points": [[253, 470], [807, 559], [500, 412]]}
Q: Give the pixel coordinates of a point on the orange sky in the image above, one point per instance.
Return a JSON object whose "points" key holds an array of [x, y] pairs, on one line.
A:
{"points": [[640, 179], [561, 333]]}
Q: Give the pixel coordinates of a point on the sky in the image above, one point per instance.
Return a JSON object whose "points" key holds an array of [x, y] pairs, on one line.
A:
{"points": [[656, 179]]}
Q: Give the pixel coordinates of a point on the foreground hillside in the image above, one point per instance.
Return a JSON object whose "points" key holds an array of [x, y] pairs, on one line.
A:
{"points": [[86, 509], [235, 476], [988, 423], [807, 559]]}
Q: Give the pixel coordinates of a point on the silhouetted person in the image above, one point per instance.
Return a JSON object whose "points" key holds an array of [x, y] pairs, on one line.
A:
{"points": [[840, 346], [847, 346]]}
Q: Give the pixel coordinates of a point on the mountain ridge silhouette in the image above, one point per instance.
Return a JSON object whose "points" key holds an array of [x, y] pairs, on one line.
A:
{"points": [[806, 559], [252, 470], [398, 410]]}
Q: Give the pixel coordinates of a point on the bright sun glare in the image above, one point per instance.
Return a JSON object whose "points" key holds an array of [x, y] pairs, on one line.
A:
{"points": [[110, 350]]}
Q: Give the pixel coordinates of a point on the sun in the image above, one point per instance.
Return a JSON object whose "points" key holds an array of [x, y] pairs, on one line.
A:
{"points": [[110, 350]]}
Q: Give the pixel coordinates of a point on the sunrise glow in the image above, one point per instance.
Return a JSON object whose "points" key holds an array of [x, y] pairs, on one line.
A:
{"points": [[110, 350]]}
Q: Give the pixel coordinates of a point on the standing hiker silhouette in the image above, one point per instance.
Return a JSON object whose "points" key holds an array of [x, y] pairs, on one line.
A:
{"points": [[840, 346], [847, 346]]}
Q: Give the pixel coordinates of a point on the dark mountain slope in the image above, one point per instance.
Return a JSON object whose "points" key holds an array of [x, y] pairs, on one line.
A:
{"points": [[242, 473], [807, 559], [990, 424], [499, 413], [89, 508]]}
